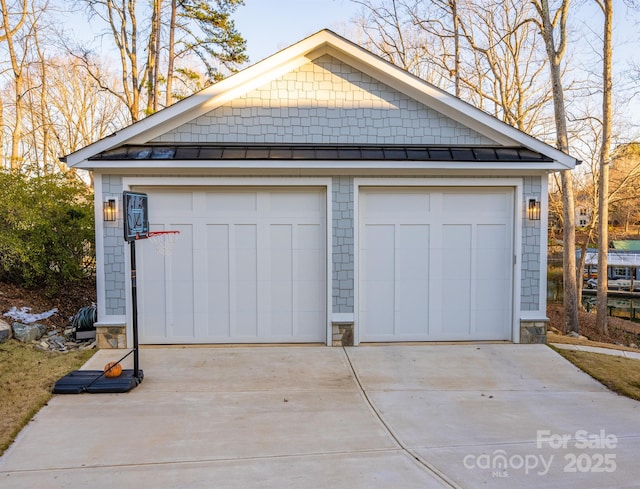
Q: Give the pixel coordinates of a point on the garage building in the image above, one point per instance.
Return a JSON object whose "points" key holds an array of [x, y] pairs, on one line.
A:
{"points": [[324, 195]]}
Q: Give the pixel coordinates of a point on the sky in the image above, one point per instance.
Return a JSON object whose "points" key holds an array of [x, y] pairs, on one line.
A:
{"points": [[271, 25]]}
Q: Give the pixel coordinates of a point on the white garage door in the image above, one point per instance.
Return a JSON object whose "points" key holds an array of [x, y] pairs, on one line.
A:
{"points": [[250, 266], [435, 264]]}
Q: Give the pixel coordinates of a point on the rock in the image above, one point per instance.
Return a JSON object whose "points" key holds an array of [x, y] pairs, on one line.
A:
{"points": [[573, 334], [56, 341], [5, 331], [28, 332]]}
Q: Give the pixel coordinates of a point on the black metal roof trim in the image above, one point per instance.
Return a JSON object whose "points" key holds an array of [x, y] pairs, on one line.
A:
{"points": [[320, 152]]}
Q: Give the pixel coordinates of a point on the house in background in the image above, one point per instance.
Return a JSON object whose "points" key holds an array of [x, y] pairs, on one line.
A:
{"points": [[324, 195], [583, 215]]}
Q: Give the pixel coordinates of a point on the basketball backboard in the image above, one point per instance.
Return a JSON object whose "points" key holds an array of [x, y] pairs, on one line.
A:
{"points": [[136, 215]]}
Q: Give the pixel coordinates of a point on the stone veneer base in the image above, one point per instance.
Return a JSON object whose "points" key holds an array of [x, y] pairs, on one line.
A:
{"points": [[111, 337], [533, 332]]}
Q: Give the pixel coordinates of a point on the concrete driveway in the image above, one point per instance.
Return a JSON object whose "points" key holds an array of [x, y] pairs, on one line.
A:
{"points": [[419, 416]]}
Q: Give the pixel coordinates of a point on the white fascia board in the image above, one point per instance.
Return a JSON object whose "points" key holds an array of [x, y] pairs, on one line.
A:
{"points": [[318, 164]]}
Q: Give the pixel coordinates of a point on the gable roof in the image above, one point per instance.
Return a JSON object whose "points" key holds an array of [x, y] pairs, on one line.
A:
{"points": [[277, 65]]}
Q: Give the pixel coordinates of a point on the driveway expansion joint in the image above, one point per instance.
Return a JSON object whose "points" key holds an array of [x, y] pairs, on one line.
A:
{"points": [[421, 462]]}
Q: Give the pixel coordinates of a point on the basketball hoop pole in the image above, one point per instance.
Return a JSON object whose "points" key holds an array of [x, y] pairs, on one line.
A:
{"points": [[135, 226], [134, 301]]}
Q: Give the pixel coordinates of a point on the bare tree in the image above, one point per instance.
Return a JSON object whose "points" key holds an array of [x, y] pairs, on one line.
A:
{"points": [[586, 135], [487, 54], [549, 24], [153, 57], [79, 110], [388, 27], [624, 195], [14, 17], [506, 44], [440, 19], [196, 31], [171, 52], [605, 150], [122, 23]]}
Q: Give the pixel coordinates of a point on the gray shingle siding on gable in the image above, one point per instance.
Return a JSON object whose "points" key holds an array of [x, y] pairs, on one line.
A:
{"points": [[325, 101]]}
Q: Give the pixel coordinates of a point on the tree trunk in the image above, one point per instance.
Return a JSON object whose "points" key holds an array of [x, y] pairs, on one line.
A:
{"points": [[156, 65], [456, 44], [172, 55], [555, 56], [153, 61], [605, 157], [570, 271], [15, 160]]}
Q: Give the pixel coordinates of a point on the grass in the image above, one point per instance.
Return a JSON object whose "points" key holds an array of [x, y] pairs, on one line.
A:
{"points": [[621, 375], [27, 376]]}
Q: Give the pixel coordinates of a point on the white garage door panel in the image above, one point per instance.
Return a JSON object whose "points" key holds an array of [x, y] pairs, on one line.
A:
{"points": [[412, 283], [218, 295], [181, 293], [435, 264], [250, 266], [377, 278]]}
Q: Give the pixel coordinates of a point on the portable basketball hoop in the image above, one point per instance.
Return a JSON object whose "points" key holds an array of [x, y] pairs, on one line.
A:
{"points": [[164, 241], [136, 227]]}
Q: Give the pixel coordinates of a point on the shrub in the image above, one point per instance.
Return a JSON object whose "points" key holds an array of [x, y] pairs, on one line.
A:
{"points": [[46, 230]]}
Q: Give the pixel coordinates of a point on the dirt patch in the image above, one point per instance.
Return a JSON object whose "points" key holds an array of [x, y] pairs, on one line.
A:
{"points": [[68, 300], [621, 331]]}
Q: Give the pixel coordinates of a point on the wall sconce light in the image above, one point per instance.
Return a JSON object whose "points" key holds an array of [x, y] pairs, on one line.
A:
{"points": [[109, 210], [533, 210]]}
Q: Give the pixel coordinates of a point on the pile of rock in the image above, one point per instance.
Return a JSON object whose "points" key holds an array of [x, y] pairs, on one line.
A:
{"points": [[43, 338]]}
